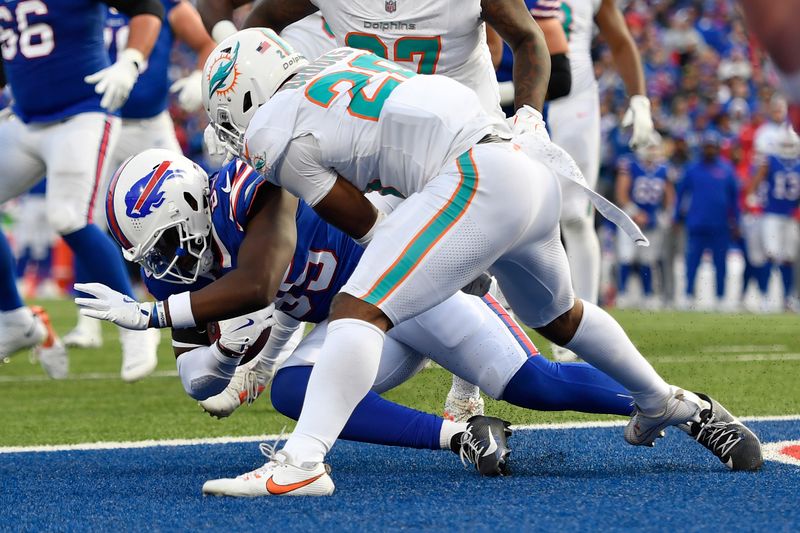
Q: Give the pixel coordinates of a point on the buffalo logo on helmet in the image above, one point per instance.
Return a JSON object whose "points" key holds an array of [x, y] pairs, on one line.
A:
{"points": [[146, 194], [225, 74]]}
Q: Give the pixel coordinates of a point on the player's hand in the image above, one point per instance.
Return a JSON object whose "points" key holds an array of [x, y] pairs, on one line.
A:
{"points": [[529, 120], [190, 91], [214, 146], [638, 115], [236, 335], [115, 82], [641, 219], [113, 306]]}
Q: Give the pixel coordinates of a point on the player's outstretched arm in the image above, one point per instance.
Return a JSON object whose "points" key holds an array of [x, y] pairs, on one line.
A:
{"points": [[187, 26], [219, 12], [511, 19], [277, 14], [145, 22]]}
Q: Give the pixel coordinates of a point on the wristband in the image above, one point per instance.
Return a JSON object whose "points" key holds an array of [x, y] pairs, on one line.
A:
{"points": [[180, 310], [158, 315]]}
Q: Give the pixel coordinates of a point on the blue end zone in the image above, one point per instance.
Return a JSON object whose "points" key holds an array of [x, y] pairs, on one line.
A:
{"points": [[586, 479]]}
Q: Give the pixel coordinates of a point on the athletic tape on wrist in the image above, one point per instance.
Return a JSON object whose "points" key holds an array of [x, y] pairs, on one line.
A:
{"points": [[180, 310], [158, 316]]}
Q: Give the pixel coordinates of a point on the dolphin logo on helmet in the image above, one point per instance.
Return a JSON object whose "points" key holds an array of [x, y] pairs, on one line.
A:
{"points": [[224, 70]]}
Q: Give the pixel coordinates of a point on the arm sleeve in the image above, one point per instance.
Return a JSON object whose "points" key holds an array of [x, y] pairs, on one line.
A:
{"points": [[131, 8], [560, 83], [301, 172], [206, 371]]}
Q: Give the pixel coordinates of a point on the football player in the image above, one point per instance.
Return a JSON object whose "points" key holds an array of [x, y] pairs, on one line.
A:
{"points": [[779, 229], [66, 95], [645, 189], [145, 120], [351, 123], [469, 336]]}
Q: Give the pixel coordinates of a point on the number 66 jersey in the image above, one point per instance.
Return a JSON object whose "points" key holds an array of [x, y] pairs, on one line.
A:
{"points": [[369, 120], [323, 260]]}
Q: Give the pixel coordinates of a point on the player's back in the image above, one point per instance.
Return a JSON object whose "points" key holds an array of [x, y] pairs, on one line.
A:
{"points": [[783, 192], [444, 37], [148, 97], [377, 124], [48, 48]]}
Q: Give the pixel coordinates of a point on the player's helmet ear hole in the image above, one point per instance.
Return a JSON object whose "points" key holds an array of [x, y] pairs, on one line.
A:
{"points": [[247, 103], [205, 202], [190, 200]]}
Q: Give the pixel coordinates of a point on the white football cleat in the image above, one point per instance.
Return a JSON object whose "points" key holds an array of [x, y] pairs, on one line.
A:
{"points": [[20, 329], [139, 353], [277, 477], [462, 409], [245, 387], [680, 407], [563, 355], [51, 353], [87, 333]]}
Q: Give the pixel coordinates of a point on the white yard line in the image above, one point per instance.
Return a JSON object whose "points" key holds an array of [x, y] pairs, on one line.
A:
{"points": [[722, 358], [746, 348], [262, 438], [89, 376]]}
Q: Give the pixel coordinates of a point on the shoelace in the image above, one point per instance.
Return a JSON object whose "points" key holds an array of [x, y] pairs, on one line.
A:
{"points": [[270, 451], [471, 448], [719, 437], [250, 386]]}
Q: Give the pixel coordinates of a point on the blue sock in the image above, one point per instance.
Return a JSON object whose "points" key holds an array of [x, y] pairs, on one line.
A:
{"points": [[100, 258], [762, 276], [547, 386], [646, 274], [9, 296], [375, 420], [787, 274], [22, 262], [624, 273]]}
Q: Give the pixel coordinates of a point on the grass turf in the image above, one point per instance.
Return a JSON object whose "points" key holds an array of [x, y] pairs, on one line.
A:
{"points": [[698, 351]]}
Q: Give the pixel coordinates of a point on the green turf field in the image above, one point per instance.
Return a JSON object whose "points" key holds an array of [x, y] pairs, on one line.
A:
{"points": [[750, 363]]}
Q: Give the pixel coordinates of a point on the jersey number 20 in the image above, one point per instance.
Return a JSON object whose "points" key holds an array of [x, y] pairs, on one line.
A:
{"points": [[32, 40]]}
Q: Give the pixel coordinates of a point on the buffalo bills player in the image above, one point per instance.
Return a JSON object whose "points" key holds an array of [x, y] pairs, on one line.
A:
{"points": [[145, 120], [644, 188], [779, 231], [65, 92]]}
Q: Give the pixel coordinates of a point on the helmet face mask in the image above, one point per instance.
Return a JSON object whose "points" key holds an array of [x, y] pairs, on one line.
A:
{"points": [[177, 256], [228, 133]]}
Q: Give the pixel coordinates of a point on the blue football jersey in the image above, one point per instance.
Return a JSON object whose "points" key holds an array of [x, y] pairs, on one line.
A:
{"points": [[149, 96], [647, 188], [48, 47], [323, 261], [783, 185]]}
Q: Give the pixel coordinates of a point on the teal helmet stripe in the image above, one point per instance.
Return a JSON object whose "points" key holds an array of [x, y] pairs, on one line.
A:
{"points": [[217, 81]]}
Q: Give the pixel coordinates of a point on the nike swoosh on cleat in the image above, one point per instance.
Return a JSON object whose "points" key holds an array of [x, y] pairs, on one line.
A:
{"points": [[277, 489], [249, 323], [492, 445]]}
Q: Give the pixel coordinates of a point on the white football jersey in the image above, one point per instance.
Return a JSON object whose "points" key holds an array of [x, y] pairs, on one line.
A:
{"points": [[310, 36], [378, 125], [444, 37], [579, 26]]}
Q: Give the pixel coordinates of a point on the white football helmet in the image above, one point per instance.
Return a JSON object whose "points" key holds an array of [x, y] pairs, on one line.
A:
{"points": [[157, 211], [240, 75], [788, 143]]}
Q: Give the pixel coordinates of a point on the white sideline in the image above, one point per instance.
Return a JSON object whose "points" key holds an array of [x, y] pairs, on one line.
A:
{"points": [[261, 438]]}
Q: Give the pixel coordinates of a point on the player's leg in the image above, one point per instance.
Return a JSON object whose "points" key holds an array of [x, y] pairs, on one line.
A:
{"points": [[648, 258], [626, 252], [75, 152], [789, 233], [434, 243], [477, 339], [21, 169], [720, 243], [695, 246]]}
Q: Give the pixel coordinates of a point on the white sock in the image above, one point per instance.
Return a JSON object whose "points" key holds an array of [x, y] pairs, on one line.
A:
{"points": [[449, 430], [583, 253], [602, 343], [463, 390], [20, 316], [345, 372]]}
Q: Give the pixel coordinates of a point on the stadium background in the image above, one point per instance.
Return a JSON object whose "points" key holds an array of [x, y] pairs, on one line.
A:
{"points": [[703, 73]]}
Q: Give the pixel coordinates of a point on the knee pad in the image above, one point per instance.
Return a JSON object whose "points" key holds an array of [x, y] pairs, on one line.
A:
{"points": [[64, 218]]}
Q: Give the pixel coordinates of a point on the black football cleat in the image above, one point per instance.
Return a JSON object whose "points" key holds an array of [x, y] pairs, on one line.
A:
{"points": [[726, 437], [484, 444]]}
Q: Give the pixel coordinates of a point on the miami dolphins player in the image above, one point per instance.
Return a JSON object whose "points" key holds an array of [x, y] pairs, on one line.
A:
{"points": [[66, 94], [468, 335], [779, 231], [145, 120], [352, 122], [645, 188]]}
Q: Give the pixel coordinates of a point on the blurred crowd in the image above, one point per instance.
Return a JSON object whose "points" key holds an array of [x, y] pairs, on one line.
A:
{"points": [[710, 85]]}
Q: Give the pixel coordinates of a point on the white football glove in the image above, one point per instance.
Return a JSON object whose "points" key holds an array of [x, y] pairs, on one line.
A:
{"points": [[113, 306], [236, 335], [638, 115], [529, 120], [214, 146], [190, 91], [116, 81]]}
